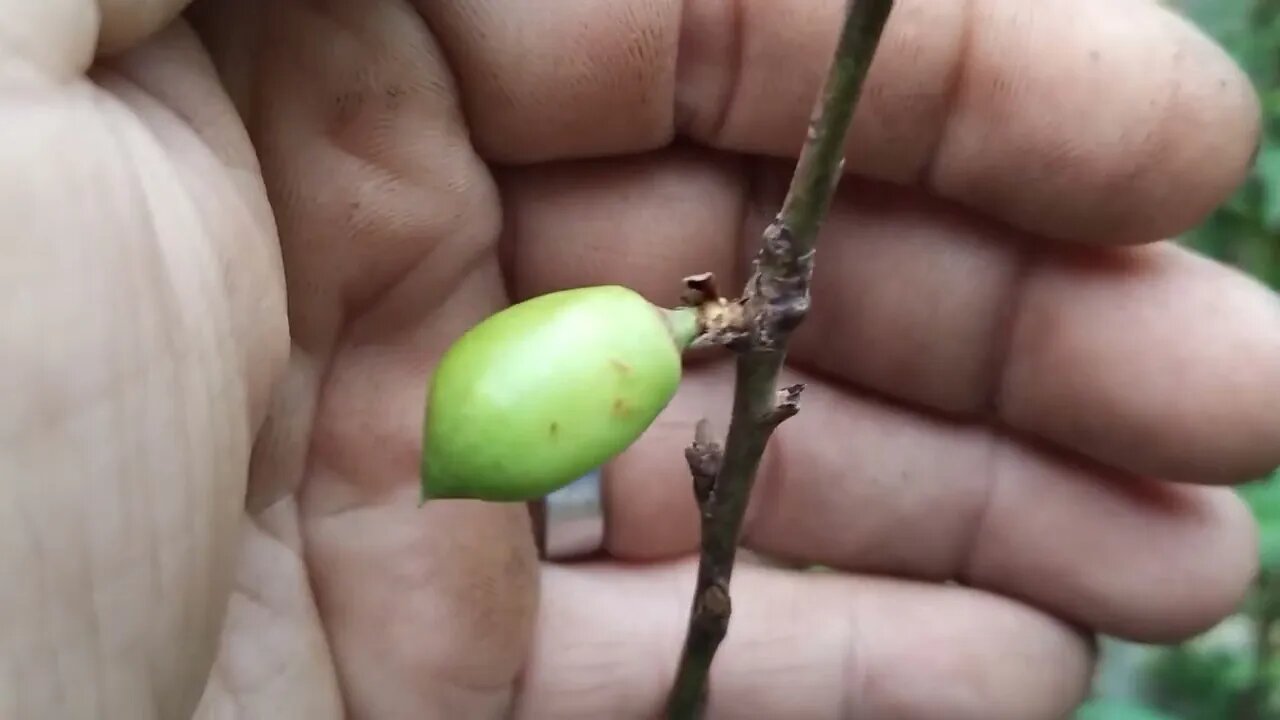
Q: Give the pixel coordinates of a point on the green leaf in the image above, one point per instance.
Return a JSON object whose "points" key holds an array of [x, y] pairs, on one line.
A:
{"points": [[1268, 168], [1269, 547], [1117, 710], [1263, 497], [1220, 19]]}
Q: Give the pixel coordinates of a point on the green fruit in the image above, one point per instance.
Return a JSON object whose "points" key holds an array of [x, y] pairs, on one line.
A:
{"points": [[541, 393]]}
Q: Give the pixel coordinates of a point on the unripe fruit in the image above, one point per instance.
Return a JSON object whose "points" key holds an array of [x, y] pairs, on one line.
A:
{"points": [[541, 393]]}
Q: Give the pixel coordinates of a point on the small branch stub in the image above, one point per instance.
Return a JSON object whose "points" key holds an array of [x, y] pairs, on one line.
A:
{"points": [[788, 403], [700, 288], [715, 607]]}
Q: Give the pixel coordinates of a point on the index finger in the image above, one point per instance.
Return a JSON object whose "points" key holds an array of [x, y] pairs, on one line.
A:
{"points": [[1080, 119]]}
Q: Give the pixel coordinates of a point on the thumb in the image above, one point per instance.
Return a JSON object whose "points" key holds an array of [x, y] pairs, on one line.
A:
{"points": [[61, 38]]}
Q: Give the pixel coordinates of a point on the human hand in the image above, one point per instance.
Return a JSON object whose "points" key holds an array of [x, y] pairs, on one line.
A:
{"points": [[1012, 383]]}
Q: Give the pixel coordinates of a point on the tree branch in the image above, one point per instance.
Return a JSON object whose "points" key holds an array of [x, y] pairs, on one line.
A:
{"points": [[775, 301]]}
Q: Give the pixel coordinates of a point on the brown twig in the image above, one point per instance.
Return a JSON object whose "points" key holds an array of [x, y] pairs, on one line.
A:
{"points": [[774, 302]]}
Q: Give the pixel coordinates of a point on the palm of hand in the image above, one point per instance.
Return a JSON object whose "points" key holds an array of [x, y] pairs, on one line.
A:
{"points": [[162, 357]]}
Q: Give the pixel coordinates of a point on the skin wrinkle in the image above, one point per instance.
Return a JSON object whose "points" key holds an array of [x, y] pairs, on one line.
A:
{"points": [[568, 215], [274, 641], [312, 331], [392, 298], [968, 548], [155, 559], [209, 420], [854, 669], [58, 415], [375, 117], [256, 599], [150, 568], [336, 446], [136, 688], [506, 249], [953, 86], [960, 91], [113, 400], [178, 89], [278, 459], [1026, 260], [783, 615], [40, 650], [604, 42], [195, 608], [218, 149], [688, 121], [408, 268]]}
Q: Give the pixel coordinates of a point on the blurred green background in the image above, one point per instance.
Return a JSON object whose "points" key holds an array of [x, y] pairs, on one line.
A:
{"points": [[1231, 672]]}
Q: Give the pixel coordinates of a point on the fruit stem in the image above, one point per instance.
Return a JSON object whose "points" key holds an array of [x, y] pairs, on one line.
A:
{"points": [[683, 324]]}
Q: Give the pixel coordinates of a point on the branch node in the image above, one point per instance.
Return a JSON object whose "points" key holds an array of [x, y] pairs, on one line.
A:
{"points": [[723, 321], [705, 458], [781, 285], [715, 606]]}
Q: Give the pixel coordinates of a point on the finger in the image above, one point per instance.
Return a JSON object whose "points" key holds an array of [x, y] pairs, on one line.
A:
{"points": [[1028, 112], [137, 368], [273, 654], [58, 40], [646, 222], [867, 486], [122, 23], [1116, 354], [800, 645], [428, 610], [360, 96], [1161, 342]]}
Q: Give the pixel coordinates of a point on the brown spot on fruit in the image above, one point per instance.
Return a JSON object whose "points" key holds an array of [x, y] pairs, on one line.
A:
{"points": [[554, 429], [620, 407], [622, 368]]}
